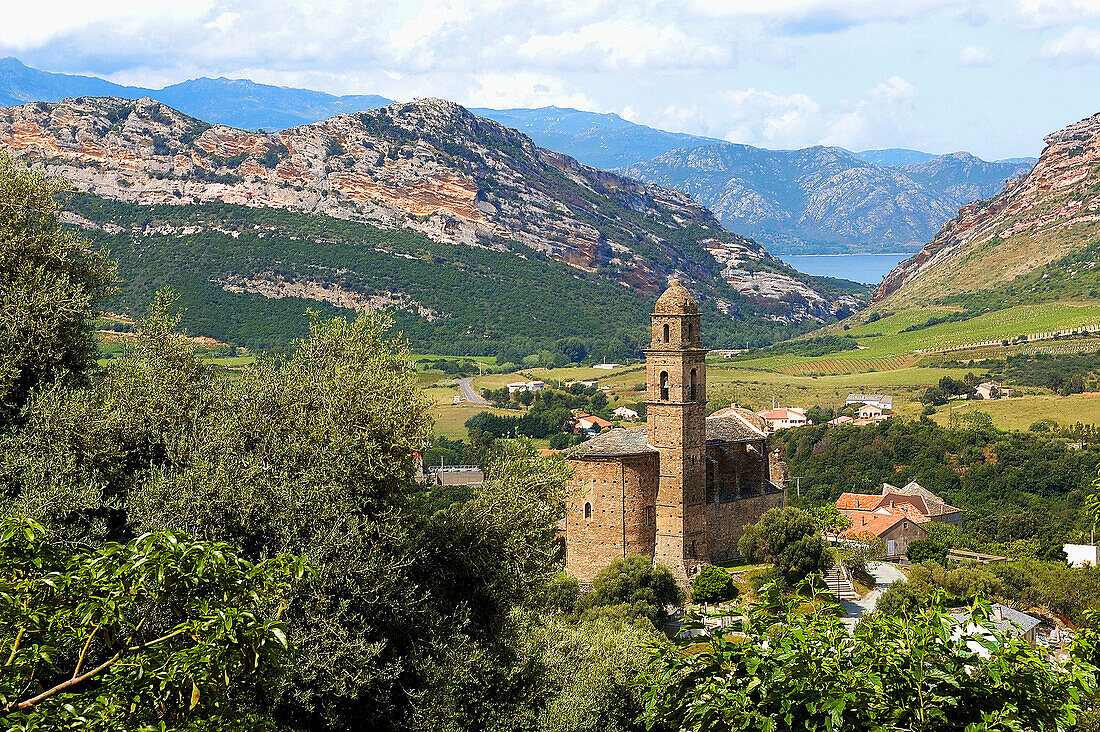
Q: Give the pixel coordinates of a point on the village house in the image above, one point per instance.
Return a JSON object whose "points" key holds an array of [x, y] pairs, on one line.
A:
{"points": [[626, 413], [1008, 621], [991, 390], [591, 424], [520, 386], [872, 413], [913, 501], [896, 529], [785, 418], [884, 402], [1082, 555], [682, 488]]}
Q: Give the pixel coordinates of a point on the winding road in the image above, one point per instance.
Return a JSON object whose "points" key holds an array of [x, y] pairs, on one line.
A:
{"points": [[468, 391]]}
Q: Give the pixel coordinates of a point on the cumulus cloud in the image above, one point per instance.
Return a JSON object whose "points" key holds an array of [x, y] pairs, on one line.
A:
{"points": [[977, 56], [757, 117], [629, 44], [1079, 45]]}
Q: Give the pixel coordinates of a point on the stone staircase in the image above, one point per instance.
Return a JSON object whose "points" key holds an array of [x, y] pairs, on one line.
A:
{"points": [[837, 580]]}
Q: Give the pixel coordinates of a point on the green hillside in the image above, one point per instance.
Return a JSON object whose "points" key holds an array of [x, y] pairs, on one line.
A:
{"points": [[480, 301]]}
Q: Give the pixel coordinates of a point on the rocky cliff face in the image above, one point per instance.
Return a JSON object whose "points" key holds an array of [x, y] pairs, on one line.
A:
{"points": [[825, 198], [1036, 220], [430, 166]]}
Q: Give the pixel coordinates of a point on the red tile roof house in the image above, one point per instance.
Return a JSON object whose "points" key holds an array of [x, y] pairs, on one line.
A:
{"points": [[918, 498], [895, 529], [591, 424], [784, 417]]}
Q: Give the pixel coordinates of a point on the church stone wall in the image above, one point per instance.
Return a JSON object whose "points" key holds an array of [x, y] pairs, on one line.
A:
{"points": [[727, 521], [619, 491]]}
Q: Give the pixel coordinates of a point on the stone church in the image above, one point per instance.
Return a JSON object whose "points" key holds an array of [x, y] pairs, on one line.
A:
{"points": [[682, 488]]}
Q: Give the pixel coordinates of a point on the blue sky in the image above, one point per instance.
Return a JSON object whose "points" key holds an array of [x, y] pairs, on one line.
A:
{"points": [[991, 77]]}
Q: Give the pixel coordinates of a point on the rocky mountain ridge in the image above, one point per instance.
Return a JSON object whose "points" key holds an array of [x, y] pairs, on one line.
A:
{"points": [[1038, 219], [825, 198], [430, 166]]}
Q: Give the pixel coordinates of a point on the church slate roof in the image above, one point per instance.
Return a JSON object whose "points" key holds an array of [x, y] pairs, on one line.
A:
{"points": [[613, 443], [729, 425]]}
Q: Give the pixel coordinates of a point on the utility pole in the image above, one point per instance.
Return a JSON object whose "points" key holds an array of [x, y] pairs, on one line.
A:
{"points": [[798, 484]]}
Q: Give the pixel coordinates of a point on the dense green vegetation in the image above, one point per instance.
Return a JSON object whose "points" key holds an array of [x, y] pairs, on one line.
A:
{"points": [[790, 540], [1020, 492], [789, 663], [51, 283], [485, 302], [1068, 373], [158, 630], [1072, 592]]}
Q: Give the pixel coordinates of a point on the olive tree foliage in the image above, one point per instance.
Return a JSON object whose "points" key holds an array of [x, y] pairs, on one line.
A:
{"points": [[791, 540], [312, 455], [50, 283], [778, 667], [632, 589], [161, 630]]}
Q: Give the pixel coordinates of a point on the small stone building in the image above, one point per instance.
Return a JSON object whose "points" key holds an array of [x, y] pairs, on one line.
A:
{"points": [[682, 488]]}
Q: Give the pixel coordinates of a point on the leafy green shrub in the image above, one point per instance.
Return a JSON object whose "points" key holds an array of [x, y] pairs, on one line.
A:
{"points": [[926, 550], [789, 539], [713, 584], [632, 588]]}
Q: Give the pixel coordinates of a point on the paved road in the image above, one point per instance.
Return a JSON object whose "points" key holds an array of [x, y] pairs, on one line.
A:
{"points": [[884, 574], [468, 391]]}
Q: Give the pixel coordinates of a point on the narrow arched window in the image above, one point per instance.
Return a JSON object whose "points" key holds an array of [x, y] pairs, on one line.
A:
{"points": [[689, 330], [588, 510], [693, 554], [648, 515], [691, 385], [666, 332], [664, 385]]}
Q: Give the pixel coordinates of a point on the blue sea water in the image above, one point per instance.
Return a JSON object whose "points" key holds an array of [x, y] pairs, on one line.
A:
{"points": [[866, 268]]}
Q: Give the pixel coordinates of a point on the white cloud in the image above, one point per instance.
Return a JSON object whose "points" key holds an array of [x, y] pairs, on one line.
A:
{"points": [[629, 44], [1036, 14], [1077, 46], [29, 25], [977, 56], [755, 117], [499, 90]]}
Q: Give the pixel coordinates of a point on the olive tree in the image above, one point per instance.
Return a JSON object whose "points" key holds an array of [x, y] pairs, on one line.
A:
{"points": [[158, 633], [50, 284]]}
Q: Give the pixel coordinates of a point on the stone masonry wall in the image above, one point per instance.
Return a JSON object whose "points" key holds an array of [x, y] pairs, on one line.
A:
{"points": [[727, 521], [619, 491]]}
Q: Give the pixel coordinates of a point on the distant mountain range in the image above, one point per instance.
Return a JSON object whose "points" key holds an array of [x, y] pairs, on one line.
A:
{"points": [[826, 199], [808, 201], [234, 102]]}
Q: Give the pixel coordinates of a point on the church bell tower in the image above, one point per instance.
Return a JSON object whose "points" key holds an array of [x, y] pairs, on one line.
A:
{"points": [[676, 422]]}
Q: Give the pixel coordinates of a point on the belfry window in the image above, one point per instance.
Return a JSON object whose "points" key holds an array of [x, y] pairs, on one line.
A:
{"points": [[588, 510], [689, 331], [666, 332], [664, 386], [691, 384]]}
